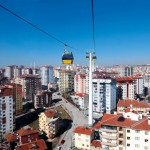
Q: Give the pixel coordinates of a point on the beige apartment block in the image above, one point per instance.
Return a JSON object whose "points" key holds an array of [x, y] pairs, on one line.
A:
{"points": [[49, 123]]}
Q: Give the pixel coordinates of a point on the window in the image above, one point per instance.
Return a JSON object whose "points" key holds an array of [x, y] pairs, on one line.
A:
{"points": [[146, 133], [128, 131], [137, 138], [137, 145], [146, 140], [87, 140], [137, 131], [128, 138], [79, 139], [128, 145], [145, 147], [79, 134], [82, 144]]}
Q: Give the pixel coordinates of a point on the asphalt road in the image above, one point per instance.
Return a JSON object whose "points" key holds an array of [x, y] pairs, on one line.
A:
{"points": [[78, 119]]}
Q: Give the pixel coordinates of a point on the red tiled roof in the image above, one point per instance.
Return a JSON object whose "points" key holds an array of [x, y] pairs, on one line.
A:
{"points": [[142, 125], [129, 110], [23, 132], [96, 143], [104, 118], [50, 113], [38, 145], [81, 94], [10, 137], [81, 75], [137, 76], [134, 103], [119, 120], [29, 76], [83, 130], [124, 79], [5, 91]]}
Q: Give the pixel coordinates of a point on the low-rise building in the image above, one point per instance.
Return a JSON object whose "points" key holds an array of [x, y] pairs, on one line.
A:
{"points": [[83, 137], [27, 135], [139, 106], [36, 145]]}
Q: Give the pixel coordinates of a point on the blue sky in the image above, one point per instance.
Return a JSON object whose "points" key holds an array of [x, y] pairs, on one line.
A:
{"points": [[122, 31]]}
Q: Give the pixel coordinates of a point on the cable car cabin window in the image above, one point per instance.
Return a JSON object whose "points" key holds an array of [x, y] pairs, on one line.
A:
{"points": [[67, 58]]}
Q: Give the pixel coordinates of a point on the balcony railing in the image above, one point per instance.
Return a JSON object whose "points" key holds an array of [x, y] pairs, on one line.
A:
{"points": [[113, 137], [109, 144], [109, 130]]}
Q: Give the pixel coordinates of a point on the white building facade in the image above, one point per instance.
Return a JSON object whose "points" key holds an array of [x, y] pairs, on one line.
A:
{"points": [[47, 76], [6, 112], [104, 95]]}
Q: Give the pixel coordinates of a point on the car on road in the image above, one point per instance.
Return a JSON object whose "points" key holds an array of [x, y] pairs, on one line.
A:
{"points": [[62, 142], [59, 147]]}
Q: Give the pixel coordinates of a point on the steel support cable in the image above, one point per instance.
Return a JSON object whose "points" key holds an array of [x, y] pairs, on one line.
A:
{"points": [[93, 25], [40, 29]]}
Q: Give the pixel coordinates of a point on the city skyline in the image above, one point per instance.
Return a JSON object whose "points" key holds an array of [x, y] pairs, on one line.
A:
{"points": [[122, 31]]}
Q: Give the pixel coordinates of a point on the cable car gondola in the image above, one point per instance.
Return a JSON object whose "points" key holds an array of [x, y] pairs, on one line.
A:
{"points": [[94, 58], [67, 58]]}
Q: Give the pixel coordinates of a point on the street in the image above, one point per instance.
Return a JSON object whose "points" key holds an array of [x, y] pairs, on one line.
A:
{"points": [[78, 119]]}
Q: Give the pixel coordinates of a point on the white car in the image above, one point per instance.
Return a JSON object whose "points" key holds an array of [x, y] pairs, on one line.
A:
{"points": [[59, 147]]}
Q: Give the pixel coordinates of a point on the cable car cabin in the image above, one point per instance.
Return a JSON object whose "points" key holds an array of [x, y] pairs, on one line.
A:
{"points": [[87, 57], [94, 58], [67, 58]]}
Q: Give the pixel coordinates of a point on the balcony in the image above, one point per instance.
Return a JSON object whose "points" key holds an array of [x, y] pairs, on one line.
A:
{"points": [[111, 144], [120, 131], [109, 130], [112, 137], [121, 138]]}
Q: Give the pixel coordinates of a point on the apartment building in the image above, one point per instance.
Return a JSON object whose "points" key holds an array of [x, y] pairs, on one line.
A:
{"points": [[9, 71], [17, 97], [104, 95], [127, 131], [66, 80], [17, 72], [6, 111], [123, 71], [138, 106], [26, 71], [139, 84], [83, 100], [126, 88], [80, 83], [49, 123], [31, 84], [83, 137], [47, 76], [42, 99]]}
